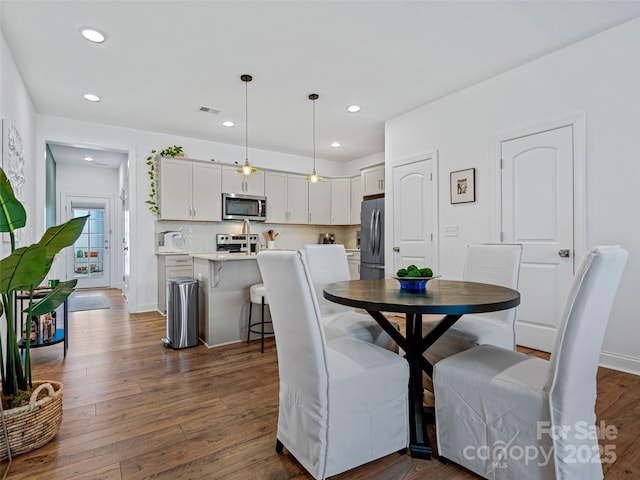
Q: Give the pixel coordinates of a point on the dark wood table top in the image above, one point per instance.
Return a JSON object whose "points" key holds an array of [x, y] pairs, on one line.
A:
{"points": [[447, 297]]}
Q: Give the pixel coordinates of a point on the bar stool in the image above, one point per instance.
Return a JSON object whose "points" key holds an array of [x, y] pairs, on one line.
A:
{"points": [[258, 296]]}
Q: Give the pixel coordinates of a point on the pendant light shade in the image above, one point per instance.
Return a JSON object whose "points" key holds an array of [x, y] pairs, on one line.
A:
{"points": [[246, 169], [314, 177]]}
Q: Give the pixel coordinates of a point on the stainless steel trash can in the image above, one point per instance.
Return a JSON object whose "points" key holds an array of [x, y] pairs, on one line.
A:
{"points": [[182, 313]]}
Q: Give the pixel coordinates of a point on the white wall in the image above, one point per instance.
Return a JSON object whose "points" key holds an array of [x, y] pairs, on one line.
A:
{"points": [[17, 109], [599, 76], [353, 167], [80, 180]]}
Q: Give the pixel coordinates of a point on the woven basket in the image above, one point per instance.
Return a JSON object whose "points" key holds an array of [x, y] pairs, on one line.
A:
{"points": [[31, 426]]}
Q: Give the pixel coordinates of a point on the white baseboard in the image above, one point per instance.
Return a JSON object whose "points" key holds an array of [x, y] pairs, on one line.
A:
{"points": [[152, 307], [620, 362], [218, 344]]}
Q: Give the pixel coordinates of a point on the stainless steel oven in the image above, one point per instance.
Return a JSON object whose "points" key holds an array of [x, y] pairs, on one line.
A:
{"points": [[233, 243], [237, 206]]}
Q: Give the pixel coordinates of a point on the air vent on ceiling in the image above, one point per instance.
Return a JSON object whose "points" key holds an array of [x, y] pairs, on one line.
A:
{"points": [[206, 109]]}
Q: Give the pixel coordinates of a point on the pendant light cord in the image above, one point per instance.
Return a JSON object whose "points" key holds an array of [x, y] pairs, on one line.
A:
{"points": [[246, 122], [246, 79], [313, 97], [314, 135]]}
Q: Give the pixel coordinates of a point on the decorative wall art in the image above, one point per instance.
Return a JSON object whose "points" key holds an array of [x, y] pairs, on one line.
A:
{"points": [[13, 165], [463, 186]]}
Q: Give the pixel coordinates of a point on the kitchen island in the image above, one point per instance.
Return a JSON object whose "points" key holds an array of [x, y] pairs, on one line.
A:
{"points": [[224, 280]]}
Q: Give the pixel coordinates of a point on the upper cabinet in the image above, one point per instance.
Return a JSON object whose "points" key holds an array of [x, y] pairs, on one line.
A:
{"points": [[356, 199], [192, 190], [341, 201], [372, 180], [234, 182], [320, 202], [287, 198], [189, 190]]}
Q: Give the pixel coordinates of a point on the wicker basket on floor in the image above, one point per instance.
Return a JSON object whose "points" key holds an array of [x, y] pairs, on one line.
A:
{"points": [[33, 425]]}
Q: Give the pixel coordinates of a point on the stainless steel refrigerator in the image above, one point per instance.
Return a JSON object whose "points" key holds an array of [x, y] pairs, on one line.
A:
{"points": [[372, 239]]}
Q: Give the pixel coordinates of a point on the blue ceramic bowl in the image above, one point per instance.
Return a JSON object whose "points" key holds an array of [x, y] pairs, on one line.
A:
{"points": [[414, 284]]}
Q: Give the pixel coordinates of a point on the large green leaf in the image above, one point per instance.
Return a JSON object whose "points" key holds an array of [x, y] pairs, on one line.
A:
{"points": [[12, 212], [61, 236], [23, 269], [54, 299]]}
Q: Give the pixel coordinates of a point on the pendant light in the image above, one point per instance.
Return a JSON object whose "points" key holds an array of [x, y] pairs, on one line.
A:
{"points": [[314, 177], [246, 169]]}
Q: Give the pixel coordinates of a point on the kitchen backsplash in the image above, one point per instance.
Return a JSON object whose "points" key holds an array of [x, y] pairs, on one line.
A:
{"points": [[201, 236]]}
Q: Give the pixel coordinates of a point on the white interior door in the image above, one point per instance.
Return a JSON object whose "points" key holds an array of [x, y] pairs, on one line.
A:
{"points": [[413, 217], [538, 211], [89, 260]]}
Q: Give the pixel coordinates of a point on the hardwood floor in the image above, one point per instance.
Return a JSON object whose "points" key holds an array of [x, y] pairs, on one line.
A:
{"points": [[135, 410]]}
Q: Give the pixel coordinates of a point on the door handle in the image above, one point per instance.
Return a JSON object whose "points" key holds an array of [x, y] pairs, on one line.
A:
{"points": [[564, 253], [375, 232], [372, 233], [396, 249]]}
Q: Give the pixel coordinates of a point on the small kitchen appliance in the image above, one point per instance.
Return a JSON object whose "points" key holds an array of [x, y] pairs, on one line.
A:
{"points": [[240, 207], [170, 242], [235, 242], [327, 238]]}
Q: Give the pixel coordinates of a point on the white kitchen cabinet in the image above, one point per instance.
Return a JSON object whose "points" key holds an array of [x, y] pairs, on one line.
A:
{"points": [[372, 180], [275, 187], [297, 199], [189, 190], [353, 259], [170, 266], [356, 199], [287, 198], [320, 203], [341, 201], [234, 182]]}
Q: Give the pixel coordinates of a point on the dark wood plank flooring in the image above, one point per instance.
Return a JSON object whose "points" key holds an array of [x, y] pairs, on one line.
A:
{"points": [[135, 410]]}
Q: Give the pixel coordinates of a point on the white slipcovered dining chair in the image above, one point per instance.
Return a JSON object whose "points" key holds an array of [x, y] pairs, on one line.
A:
{"points": [[328, 264], [343, 402], [497, 264], [503, 414]]}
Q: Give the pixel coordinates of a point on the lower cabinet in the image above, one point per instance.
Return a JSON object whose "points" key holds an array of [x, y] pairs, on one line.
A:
{"points": [[170, 266], [353, 259]]}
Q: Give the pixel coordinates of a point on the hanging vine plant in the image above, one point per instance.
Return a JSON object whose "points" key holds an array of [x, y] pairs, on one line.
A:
{"points": [[152, 164]]}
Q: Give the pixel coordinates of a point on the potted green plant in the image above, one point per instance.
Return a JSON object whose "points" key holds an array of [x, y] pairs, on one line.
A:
{"points": [[23, 270], [152, 164]]}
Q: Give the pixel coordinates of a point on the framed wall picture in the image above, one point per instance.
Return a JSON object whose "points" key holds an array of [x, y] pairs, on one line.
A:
{"points": [[463, 186]]}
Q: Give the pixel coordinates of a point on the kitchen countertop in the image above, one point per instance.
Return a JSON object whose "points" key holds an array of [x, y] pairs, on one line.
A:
{"points": [[223, 256], [213, 255]]}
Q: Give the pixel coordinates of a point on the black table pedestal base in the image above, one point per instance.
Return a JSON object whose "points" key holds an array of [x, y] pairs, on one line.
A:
{"points": [[420, 451]]}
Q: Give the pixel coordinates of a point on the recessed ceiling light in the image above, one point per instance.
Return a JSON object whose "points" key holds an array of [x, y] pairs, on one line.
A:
{"points": [[353, 108], [336, 144], [91, 97], [88, 159], [93, 35], [228, 123]]}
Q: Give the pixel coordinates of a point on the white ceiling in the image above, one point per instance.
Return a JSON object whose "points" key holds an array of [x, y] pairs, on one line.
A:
{"points": [[164, 59], [75, 154]]}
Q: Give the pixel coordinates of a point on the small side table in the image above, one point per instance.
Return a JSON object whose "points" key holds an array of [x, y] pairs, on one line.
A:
{"points": [[60, 334]]}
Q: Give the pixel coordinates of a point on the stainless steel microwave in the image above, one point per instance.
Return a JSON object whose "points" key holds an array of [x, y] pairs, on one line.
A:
{"points": [[237, 206]]}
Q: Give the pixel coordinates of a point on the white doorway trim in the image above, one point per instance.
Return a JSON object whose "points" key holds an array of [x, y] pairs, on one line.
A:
{"points": [[389, 164], [578, 121], [80, 139]]}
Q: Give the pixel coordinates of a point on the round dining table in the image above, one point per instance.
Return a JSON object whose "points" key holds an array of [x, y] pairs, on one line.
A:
{"points": [[449, 298]]}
